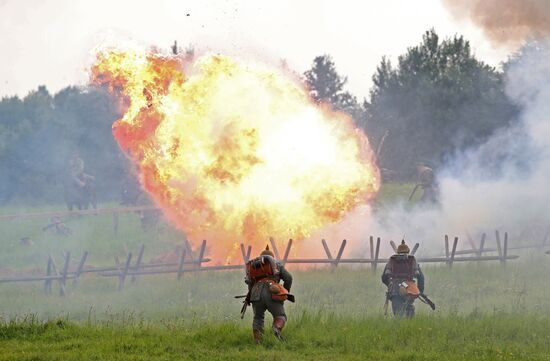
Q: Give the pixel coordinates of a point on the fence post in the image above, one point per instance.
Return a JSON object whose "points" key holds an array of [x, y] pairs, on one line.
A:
{"points": [[64, 274], [56, 273], [138, 261], [80, 267], [181, 264], [371, 249], [124, 271], [48, 282], [447, 247], [248, 252], [201, 252], [376, 254], [481, 245], [327, 250], [244, 253], [453, 251], [189, 250], [287, 251], [339, 255], [274, 247], [499, 245]]}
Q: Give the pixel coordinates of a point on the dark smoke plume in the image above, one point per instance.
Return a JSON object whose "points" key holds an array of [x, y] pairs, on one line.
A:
{"points": [[506, 22]]}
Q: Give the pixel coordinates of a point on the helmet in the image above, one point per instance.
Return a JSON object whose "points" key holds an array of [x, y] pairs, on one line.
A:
{"points": [[267, 252], [403, 248]]}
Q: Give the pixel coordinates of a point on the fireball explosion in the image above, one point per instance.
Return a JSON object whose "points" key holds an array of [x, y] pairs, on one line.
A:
{"points": [[235, 151]]}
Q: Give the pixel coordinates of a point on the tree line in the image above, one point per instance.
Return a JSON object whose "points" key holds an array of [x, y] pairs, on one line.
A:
{"points": [[436, 99]]}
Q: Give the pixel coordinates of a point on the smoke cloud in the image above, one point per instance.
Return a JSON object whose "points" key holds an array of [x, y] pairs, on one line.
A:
{"points": [[505, 22], [501, 185]]}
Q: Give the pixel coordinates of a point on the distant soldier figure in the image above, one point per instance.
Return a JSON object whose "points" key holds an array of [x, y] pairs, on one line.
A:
{"points": [[76, 169], [428, 183], [398, 276], [80, 187], [263, 275]]}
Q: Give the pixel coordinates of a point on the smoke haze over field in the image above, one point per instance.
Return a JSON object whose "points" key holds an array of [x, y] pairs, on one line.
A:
{"points": [[506, 21], [502, 184]]}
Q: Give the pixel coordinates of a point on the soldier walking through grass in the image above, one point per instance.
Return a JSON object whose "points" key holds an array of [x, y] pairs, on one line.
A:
{"points": [[263, 275], [398, 276]]}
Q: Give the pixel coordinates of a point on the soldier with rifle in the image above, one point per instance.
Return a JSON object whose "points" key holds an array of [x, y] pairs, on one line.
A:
{"points": [[428, 183], [398, 276], [263, 275]]}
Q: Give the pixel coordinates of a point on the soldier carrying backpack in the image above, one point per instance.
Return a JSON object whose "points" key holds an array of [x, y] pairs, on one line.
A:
{"points": [[263, 275], [398, 276]]}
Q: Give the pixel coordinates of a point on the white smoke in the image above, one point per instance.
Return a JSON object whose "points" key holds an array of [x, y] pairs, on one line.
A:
{"points": [[502, 185]]}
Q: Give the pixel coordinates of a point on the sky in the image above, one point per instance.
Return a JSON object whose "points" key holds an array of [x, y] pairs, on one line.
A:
{"points": [[52, 42]]}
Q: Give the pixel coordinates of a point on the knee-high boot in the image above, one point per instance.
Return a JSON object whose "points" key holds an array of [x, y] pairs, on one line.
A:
{"points": [[278, 324]]}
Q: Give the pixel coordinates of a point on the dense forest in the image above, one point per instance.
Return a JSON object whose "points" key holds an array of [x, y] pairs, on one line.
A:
{"points": [[437, 99]]}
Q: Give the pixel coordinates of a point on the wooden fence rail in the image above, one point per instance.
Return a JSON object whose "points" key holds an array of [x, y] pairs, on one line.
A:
{"points": [[188, 263]]}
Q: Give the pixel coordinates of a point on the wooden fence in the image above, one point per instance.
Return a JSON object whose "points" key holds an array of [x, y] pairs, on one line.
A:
{"points": [[194, 261]]}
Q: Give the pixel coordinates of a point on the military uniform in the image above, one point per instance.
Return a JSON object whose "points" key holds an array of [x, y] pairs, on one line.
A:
{"points": [[402, 267], [76, 170], [427, 181], [266, 294]]}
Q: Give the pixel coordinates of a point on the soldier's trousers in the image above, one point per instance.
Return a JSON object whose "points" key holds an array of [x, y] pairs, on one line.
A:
{"points": [[401, 307], [266, 303]]}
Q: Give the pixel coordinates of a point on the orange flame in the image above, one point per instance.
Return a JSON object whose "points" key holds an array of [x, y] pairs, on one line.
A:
{"points": [[236, 152]]}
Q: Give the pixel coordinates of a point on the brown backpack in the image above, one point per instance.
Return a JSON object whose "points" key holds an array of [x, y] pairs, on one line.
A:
{"points": [[261, 267]]}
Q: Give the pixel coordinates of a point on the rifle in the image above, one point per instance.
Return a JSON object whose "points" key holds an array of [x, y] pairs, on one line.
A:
{"points": [[246, 302], [413, 191], [290, 298], [386, 303], [422, 297]]}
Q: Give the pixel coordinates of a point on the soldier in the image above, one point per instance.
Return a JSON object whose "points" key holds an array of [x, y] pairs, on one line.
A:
{"points": [[263, 275], [428, 183], [398, 276], [76, 169], [80, 188]]}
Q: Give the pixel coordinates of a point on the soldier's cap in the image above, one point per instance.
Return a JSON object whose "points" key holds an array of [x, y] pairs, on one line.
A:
{"points": [[267, 252], [403, 248]]}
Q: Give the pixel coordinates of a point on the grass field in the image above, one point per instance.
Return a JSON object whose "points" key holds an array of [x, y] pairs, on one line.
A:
{"points": [[310, 337], [485, 311]]}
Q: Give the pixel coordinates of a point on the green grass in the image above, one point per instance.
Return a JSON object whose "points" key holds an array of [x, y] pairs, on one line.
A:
{"points": [[485, 311], [463, 291], [309, 337]]}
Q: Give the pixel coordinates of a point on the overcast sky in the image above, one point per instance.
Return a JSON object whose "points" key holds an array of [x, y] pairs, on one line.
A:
{"points": [[51, 42]]}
